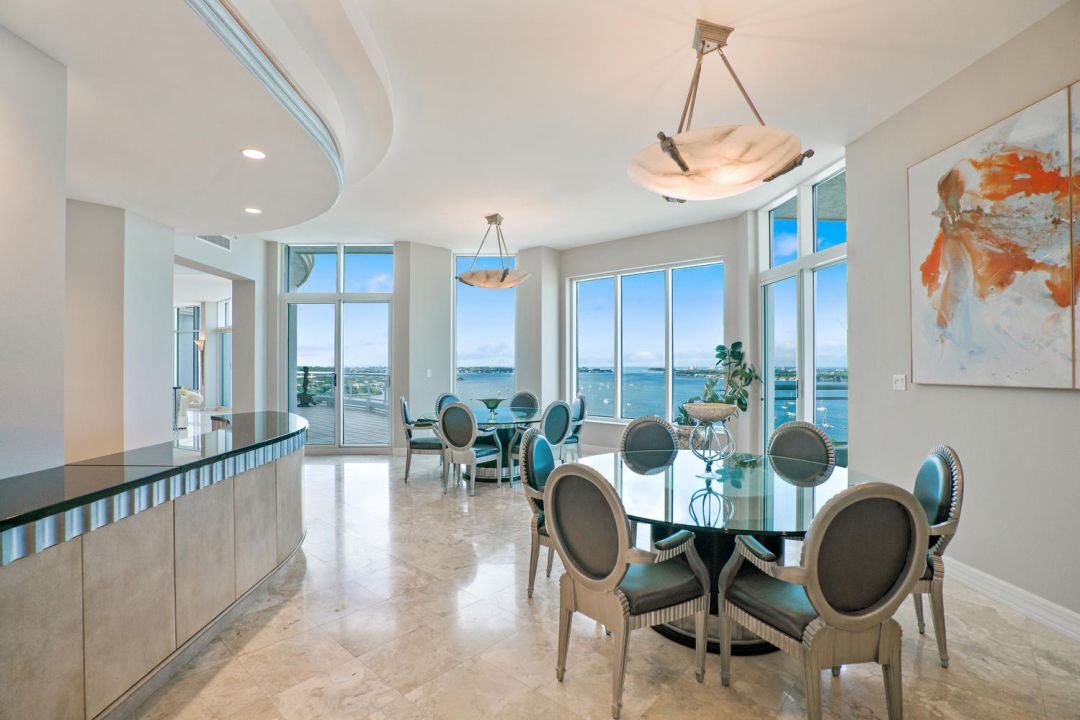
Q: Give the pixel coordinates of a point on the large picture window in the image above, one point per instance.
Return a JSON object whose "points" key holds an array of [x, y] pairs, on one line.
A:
{"points": [[803, 280], [186, 357], [645, 340], [484, 335]]}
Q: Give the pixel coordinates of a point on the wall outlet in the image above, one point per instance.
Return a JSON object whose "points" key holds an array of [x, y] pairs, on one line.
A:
{"points": [[899, 382], [429, 372]]}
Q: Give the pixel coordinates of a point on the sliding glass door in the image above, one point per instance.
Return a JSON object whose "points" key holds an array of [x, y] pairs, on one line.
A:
{"points": [[339, 371]]}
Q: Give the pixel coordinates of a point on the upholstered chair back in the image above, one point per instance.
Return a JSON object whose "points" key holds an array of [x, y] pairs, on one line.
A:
{"points": [[556, 422], [443, 399], [537, 459], [939, 488], [577, 409], [405, 419], [458, 425], [801, 453], [588, 525], [651, 439], [863, 553], [525, 400]]}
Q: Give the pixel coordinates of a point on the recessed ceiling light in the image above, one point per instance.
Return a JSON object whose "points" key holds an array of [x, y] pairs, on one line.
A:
{"points": [[253, 211], [253, 154]]}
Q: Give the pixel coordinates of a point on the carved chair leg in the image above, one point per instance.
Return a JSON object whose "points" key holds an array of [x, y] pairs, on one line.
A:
{"points": [[534, 555], [566, 619], [727, 627], [408, 462], [445, 475], [836, 671], [891, 672], [917, 599], [701, 642], [472, 477], [551, 556], [498, 468], [937, 611], [622, 645], [812, 685]]}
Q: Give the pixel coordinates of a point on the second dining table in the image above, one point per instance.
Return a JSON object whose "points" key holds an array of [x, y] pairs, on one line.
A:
{"points": [[774, 499], [506, 421]]}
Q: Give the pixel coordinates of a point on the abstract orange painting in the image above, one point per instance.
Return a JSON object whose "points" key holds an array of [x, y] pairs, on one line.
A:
{"points": [[992, 272]]}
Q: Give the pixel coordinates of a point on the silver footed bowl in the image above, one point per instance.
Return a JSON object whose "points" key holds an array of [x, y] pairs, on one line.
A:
{"points": [[710, 412], [491, 403]]}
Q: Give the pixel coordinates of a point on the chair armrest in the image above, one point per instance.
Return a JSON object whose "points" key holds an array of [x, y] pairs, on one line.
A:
{"points": [[673, 545], [749, 548], [637, 556], [531, 493], [945, 528]]}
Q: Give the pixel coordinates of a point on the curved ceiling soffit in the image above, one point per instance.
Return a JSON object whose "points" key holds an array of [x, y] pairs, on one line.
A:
{"points": [[234, 32]]}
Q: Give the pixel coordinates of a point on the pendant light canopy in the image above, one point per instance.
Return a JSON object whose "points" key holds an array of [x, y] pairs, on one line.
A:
{"points": [[716, 162], [498, 278]]}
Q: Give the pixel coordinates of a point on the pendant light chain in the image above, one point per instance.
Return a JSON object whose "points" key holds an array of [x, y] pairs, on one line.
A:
{"points": [[484, 240]]}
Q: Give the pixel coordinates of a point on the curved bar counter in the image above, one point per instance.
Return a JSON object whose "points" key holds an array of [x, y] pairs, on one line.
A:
{"points": [[113, 569]]}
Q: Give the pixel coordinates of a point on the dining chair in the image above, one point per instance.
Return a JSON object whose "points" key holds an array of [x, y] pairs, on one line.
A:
{"points": [[939, 488], [651, 439], [577, 420], [801, 453], [443, 399], [459, 433], [612, 582], [554, 426], [525, 400], [422, 445], [862, 555], [537, 461]]}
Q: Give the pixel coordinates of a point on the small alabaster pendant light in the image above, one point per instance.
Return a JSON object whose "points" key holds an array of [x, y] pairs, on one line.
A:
{"points": [[716, 162], [498, 278]]}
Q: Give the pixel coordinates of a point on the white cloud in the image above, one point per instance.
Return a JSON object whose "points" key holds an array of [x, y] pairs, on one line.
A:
{"points": [[383, 282]]}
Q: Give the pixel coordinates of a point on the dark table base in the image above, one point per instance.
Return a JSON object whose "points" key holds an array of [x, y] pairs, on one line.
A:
{"points": [[715, 548]]}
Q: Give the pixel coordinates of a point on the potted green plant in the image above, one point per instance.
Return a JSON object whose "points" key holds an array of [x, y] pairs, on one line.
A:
{"points": [[729, 387]]}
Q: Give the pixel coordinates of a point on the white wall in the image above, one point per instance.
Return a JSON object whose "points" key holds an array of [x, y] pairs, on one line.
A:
{"points": [[537, 345], [729, 240], [1018, 447], [148, 332], [430, 348], [93, 331], [33, 108]]}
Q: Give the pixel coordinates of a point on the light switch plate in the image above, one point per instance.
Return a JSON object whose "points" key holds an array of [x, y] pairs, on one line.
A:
{"points": [[429, 372], [899, 382]]}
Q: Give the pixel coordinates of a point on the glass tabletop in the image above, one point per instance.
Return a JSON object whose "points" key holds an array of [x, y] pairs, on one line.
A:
{"points": [[503, 417], [750, 494]]}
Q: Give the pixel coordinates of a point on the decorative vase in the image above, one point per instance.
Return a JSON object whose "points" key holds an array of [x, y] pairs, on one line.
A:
{"points": [[705, 441]]}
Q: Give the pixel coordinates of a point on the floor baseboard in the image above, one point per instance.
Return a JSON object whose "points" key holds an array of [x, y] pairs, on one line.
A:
{"points": [[1037, 608]]}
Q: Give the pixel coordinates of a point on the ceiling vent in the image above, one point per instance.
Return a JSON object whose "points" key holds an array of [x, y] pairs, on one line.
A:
{"points": [[222, 241]]}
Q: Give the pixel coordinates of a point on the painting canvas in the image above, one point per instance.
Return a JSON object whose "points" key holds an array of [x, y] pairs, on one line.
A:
{"points": [[1074, 184], [992, 287]]}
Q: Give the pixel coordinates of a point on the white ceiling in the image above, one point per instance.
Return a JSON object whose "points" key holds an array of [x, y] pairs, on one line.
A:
{"points": [[533, 109], [530, 109], [192, 286], [158, 111]]}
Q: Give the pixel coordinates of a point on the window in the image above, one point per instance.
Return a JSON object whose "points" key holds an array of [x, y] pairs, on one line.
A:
{"points": [[804, 309], [337, 308], [595, 339], [224, 313], [645, 341], [369, 269], [186, 357], [484, 335], [226, 368]]}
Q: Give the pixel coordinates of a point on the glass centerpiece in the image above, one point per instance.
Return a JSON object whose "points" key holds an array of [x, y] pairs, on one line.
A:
{"points": [[491, 403]]}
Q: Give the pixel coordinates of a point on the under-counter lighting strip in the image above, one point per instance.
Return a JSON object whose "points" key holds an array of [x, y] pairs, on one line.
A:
{"points": [[33, 537]]}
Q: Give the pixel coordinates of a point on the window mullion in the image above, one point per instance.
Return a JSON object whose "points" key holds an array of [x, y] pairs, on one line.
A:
{"points": [[669, 373], [617, 414]]}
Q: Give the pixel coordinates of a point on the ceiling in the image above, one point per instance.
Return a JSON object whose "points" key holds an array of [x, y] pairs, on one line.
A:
{"points": [[447, 112], [158, 112], [192, 286]]}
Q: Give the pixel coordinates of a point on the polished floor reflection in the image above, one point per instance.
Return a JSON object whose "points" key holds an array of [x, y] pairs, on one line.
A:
{"points": [[405, 603]]}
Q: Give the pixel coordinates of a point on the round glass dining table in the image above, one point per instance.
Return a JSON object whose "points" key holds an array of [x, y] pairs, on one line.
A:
{"points": [[771, 498], [506, 421]]}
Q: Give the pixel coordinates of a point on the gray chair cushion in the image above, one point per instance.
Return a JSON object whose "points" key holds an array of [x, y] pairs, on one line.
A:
{"points": [[524, 401], [933, 489], [781, 605], [571, 440], [586, 526], [864, 552], [425, 443], [457, 426], [660, 585], [484, 450]]}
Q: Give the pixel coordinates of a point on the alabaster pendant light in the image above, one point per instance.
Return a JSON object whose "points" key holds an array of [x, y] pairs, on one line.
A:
{"points": [[498, 278], [715, 162]]}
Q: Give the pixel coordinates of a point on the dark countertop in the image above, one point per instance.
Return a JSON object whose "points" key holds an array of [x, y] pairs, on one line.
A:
{"points": [[29, 497]]}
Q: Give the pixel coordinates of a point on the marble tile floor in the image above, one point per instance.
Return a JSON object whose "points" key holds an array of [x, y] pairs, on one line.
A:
{"points": [[405, 603]]}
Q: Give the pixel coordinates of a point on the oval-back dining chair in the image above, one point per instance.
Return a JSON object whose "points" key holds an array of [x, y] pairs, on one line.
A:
{"points": [[420, 444], [939, 488], [537, 461], [801, 453], [525, 400], [652, 441], [555, 423], [442, 400], [457, 426], [862, 555], [577, 420], [612, 582]]}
